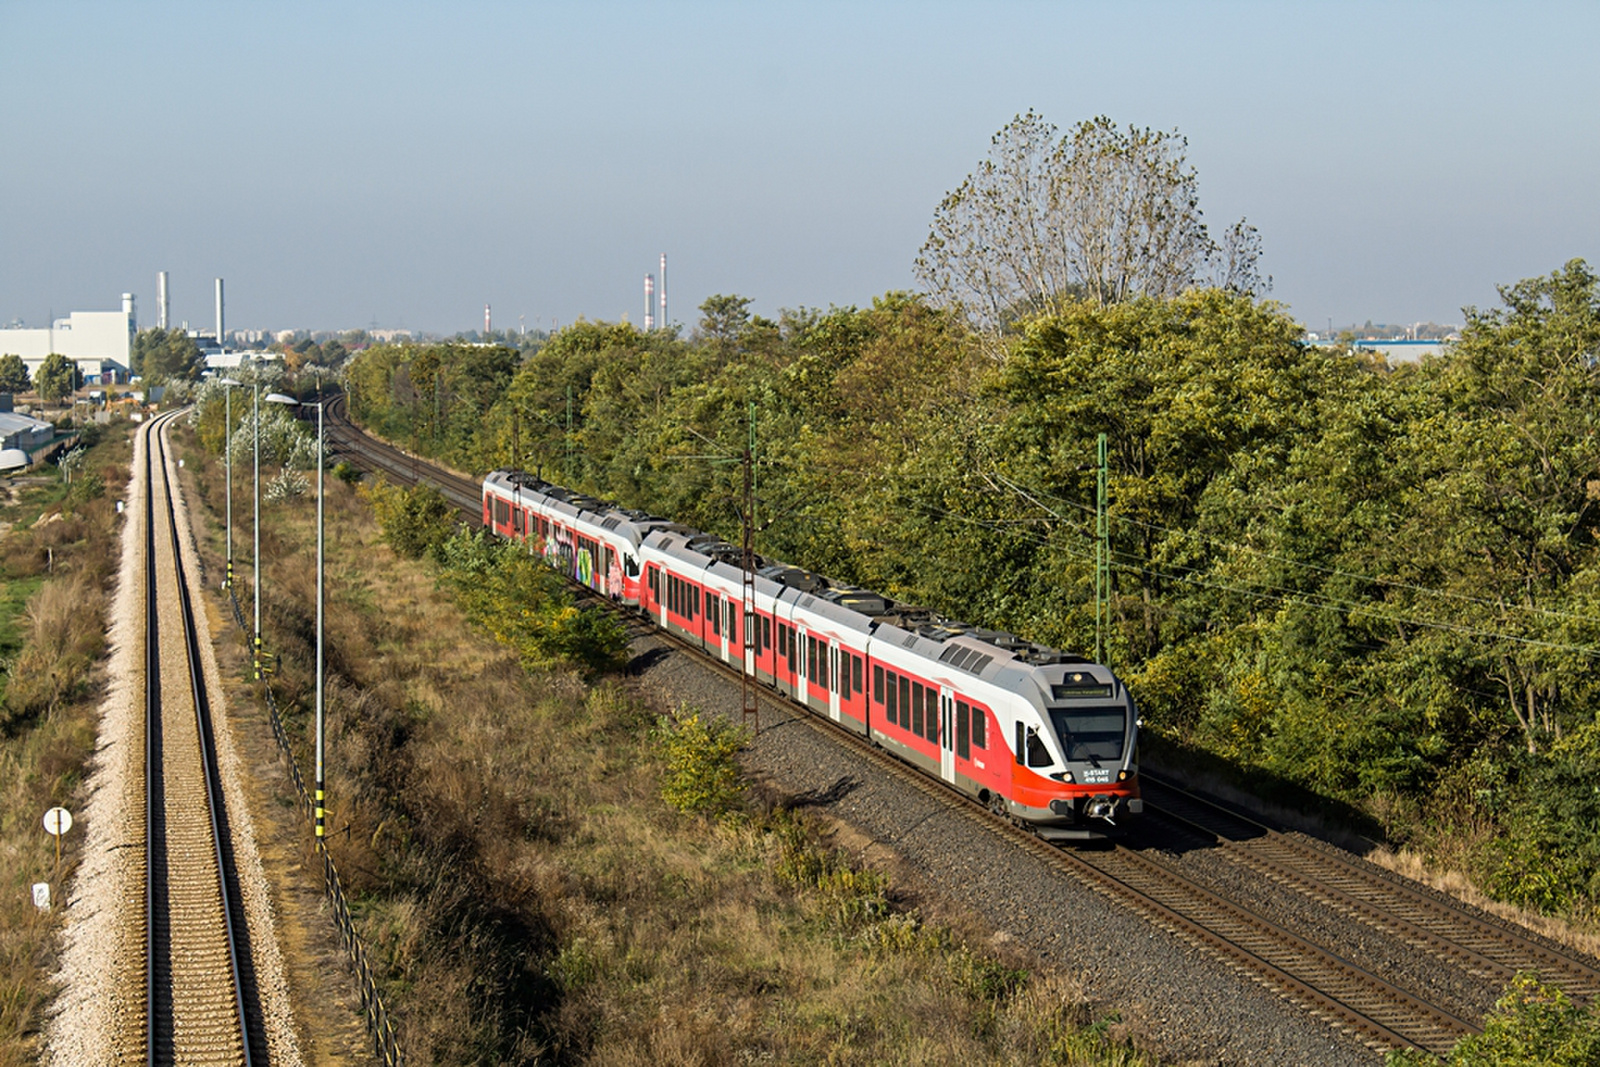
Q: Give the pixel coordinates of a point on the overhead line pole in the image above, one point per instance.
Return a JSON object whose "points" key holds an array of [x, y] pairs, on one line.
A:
{"points": [[749, 631], [1102, 559]]}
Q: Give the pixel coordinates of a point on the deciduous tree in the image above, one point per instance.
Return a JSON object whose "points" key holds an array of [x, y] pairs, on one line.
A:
{"points": [[13, 374], [58, 376], [1102, 213]]}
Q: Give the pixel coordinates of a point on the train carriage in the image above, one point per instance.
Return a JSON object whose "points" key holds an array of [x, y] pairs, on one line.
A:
{"points": [[1044, 737]]}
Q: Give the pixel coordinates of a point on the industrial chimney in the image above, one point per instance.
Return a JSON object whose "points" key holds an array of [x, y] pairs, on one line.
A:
{"points": [[220, 334], [162, 308], [486, 322], [664, 319], [649, 302]]}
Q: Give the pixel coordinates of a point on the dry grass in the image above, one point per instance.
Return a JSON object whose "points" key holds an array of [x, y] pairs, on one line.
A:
{"points": [[528, 897], [47, 729]]}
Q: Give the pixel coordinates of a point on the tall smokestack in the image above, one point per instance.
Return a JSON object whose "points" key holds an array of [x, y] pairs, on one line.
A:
{"points": [[649, 302], [220, 325], [664, 320], [162, 308], [486, 321]]}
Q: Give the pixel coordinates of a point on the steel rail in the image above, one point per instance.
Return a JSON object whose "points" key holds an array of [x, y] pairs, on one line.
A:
{"points": [[156, 860], [152, 750], [1448, 929]]}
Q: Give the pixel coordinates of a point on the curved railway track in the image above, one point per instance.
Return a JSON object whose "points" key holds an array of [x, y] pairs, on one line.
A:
{"points": [[1381, 1012], [198, 989]]}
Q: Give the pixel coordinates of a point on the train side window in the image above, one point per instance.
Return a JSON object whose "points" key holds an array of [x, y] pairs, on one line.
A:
{"points": [[894, 698], [855, 674], [766, 633], [1030, 749], [916, 708], [822, 665], [712, 609], [877, 683], [905, 701], [931, 720], [980, 721], [963, 734]]}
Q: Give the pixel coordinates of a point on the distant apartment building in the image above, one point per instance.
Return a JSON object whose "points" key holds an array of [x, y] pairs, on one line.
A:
{"points": [[99, 342]]}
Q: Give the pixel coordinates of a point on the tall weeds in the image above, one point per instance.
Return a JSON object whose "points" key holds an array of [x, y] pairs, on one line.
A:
{"points": [[54, 640]]}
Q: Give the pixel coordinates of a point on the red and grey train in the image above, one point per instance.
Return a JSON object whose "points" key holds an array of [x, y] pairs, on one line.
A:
{"points": [[1039, 735]]}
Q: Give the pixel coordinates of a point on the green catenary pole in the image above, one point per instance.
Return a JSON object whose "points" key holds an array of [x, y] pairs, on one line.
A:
{"points": [[1102, 560]]}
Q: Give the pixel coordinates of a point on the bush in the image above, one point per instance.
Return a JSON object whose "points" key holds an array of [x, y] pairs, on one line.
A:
{"points": [[527, 605], [1532, 1025], [702, 770], [414, 520]]}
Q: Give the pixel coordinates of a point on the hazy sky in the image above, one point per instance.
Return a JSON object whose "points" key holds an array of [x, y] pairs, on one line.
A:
{"points": [[346, 162]]}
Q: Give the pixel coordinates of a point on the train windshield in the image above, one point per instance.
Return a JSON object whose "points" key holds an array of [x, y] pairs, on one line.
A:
{"points": [[1092, 734]]}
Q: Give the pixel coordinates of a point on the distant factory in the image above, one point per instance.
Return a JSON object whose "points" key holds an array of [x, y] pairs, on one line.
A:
{"points": [[650, 297], [99, 342]]}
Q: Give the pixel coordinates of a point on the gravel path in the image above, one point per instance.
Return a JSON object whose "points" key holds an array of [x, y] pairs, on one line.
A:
{"points": [[1169, 995]]}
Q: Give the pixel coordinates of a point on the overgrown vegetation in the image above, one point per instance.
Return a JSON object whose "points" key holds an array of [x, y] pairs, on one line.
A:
{"points": [[56, 560], [1532, 1025]]}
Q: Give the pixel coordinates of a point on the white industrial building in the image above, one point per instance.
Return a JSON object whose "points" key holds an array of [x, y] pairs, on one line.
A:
{"points": [[99, 342]]}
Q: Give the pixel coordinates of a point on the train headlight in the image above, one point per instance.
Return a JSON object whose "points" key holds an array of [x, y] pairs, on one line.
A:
{"points": [[1122, 775]]}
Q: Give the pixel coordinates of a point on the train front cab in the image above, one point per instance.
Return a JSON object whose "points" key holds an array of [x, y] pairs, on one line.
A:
{"points": [[1074, 769]]}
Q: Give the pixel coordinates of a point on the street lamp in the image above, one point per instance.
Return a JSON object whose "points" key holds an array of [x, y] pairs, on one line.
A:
{"points": [[227, 452], [255, 426], [321, 781]]}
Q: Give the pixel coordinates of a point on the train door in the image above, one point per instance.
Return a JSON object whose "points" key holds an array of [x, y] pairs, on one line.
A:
{"points": [[804, 664], [725, 625], [749, 638], [947, 735], [658, 593], [833, 679]]}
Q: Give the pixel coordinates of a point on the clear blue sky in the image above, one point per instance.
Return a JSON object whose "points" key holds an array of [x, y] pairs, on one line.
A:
{"points": [[345, 162]]}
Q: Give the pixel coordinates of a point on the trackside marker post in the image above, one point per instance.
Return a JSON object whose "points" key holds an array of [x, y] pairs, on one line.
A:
{"points": [[57, 821]]}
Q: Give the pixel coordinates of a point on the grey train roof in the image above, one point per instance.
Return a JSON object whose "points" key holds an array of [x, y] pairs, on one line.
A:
{"points": [[963, 646]]}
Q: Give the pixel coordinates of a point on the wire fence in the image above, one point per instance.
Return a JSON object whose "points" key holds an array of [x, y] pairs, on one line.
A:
{"points": [[385, 1044]]}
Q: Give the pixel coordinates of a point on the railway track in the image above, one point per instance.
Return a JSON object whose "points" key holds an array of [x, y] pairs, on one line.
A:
{"points": [[1383, 1014], [1445, 929], [200, 1004]]}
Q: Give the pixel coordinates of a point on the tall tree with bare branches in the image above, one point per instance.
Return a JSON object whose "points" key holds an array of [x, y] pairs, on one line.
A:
{"points": [[1103, 214]]}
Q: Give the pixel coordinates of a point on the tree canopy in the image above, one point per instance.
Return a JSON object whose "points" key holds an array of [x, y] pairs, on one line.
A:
{"points": [[162, 355], [57, 377], [13, 374], [1101, 213]]}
